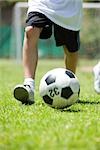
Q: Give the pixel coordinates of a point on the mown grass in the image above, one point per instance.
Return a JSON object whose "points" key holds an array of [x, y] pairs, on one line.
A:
{"points": [[39, 127]]}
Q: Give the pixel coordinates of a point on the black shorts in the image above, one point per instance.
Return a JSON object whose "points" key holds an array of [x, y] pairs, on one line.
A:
{"points": [[69, 38]]}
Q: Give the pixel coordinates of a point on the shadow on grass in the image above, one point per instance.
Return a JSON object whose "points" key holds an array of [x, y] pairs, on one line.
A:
{"points": [[88, 102], [80, 102], [71, 110]]}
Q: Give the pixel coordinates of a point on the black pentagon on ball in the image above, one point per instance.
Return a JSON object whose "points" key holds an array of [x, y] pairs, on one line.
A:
{"points": [[50, 79], [47, 99], [66, 92], [70, 74]]}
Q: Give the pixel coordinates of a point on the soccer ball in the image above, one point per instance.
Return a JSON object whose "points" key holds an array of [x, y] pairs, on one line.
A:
{"points": [[59, 88]]}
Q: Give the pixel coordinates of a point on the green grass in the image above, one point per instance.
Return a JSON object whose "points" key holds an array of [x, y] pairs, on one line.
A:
{"points": [[39, 127]]}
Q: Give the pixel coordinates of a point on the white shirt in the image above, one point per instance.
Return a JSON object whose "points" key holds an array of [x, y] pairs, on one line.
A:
{"points": [[66, 13]]}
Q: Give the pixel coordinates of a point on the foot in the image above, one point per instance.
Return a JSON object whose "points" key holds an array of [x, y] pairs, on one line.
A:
{"points": [[96, 71], [24, 93]]}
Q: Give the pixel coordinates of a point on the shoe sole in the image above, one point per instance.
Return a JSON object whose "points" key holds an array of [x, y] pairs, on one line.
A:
{"points": [[21, 94]]}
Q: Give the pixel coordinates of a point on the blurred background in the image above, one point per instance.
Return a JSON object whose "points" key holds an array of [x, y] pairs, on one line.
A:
{"points": [[12, 23]]}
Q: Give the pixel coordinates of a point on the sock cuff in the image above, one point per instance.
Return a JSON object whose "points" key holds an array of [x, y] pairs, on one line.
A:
{"points": [[29, 81]]}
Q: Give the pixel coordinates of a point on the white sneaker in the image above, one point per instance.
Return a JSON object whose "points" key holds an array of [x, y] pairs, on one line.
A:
{"points": [[24, 93], [96, 71]]}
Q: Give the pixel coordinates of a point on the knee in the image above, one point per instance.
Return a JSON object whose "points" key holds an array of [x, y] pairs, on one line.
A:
{"points": [[29, 31]]}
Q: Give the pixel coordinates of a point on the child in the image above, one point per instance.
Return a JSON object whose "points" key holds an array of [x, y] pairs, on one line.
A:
{"points": [[66, 17]]}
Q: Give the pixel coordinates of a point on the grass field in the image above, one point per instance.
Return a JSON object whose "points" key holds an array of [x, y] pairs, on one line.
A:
{"points": [[39, 127]]}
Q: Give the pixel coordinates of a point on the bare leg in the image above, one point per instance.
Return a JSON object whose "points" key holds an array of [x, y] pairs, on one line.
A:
{"points": [[30, 52], [25, 92], [71, 59]]}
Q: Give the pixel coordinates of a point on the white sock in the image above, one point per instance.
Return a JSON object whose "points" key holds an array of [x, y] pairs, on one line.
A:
{"points": [[30, 81]]}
